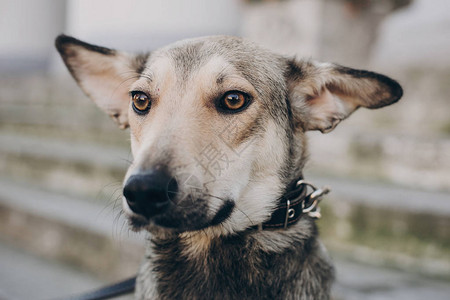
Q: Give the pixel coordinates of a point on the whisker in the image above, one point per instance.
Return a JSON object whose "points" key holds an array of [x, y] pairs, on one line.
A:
{"points": [[130, 162]]}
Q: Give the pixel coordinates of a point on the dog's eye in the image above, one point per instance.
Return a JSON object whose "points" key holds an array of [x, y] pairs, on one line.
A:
{"points": [[141, 102], [233, 101]]}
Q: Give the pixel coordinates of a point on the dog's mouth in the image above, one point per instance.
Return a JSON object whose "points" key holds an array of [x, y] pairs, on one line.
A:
{"points": [[182, 219]]}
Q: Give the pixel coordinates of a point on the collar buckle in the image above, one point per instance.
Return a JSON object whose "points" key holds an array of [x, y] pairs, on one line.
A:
{"points": [[290, 213]]}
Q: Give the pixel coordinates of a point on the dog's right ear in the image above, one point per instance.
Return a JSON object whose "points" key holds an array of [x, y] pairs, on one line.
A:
{"points": [[324, 94], [105, 75]]}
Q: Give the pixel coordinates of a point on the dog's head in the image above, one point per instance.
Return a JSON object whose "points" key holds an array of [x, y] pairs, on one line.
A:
{"points": [[217, 124]]}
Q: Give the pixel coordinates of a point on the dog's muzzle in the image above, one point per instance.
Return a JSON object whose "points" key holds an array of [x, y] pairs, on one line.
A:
{"points": [[156, 198]]}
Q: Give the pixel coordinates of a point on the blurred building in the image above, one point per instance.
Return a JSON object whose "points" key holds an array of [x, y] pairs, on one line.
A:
{"points": [[27, 31], [352, 32], [28, 28]]}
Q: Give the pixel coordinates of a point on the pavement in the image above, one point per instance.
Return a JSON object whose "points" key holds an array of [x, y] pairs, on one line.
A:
{"points": [[24, 276], [356, 281]]}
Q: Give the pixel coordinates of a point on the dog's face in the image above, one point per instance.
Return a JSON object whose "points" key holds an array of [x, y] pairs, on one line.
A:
{"points": [[217, 124]]}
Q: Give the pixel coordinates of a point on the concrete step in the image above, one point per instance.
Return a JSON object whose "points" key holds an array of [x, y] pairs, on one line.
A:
{"points": [[85, 169], [387, 225], [384, 195], [404, 159], [49, 102], [89, 235]]}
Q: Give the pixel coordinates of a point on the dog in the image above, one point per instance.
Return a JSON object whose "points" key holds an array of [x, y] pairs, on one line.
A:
{"points": [[217, 128]]}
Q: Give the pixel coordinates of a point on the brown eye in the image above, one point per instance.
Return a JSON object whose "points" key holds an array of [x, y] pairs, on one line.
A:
{"points": [[233, 101], [141, 102]]}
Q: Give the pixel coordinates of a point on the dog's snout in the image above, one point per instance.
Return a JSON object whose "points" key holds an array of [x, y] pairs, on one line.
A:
{"points": [[149, 193]]}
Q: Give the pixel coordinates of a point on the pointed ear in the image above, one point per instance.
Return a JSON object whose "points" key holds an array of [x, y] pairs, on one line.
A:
{"points": [[323, 94], [105, 75]]}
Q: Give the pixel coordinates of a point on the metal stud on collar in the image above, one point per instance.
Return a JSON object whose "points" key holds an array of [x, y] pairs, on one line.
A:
{"points": [[313, 210], [288, 203]]}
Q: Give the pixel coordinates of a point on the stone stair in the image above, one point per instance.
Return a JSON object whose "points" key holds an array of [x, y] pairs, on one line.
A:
{"points": [[359, 215], [61, 167]]}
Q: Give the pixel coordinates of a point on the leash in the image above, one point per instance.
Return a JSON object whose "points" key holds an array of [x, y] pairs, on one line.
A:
{"points": [[292, 205], [114, 290]]}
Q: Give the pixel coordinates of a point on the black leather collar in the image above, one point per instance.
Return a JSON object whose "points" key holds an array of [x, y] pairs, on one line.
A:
{"points": [[295, 203]]}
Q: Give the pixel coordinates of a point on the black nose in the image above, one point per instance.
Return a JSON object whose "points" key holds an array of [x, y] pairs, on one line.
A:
{"points": [[149, 193]]}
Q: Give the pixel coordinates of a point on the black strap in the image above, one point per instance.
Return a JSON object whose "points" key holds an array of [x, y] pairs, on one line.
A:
{"points": [[289, 209], [110, 291]]}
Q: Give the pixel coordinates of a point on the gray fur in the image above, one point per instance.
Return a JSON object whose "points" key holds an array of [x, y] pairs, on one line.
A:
{"points": [[241, 266]]}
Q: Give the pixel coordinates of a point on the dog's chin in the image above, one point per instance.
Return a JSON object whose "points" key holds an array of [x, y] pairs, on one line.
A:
{"points": [[138, 223], [181, 222]]}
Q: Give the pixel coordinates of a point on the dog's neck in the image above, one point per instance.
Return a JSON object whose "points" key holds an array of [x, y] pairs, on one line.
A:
{"points": [[268, 263]]}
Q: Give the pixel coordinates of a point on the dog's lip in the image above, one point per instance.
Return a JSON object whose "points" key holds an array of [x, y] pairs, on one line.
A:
{"points": [[138, 222], [223, 213]]}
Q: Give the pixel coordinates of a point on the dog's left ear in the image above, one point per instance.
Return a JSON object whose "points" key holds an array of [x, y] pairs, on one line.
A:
{"points": [[323, 94], [105, 75]]}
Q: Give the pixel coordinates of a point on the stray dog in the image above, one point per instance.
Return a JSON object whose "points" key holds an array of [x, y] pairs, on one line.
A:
{"points": [[218, 140]]}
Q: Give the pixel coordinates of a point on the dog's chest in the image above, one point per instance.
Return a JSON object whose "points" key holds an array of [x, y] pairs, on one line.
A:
{"points": [[230, 269]]}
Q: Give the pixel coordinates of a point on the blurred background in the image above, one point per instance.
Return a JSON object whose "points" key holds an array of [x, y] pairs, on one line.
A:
{"points": [[386, 222]]}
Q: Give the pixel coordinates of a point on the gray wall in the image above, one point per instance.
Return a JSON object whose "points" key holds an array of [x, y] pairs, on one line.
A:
{"points": [[27, 31]]}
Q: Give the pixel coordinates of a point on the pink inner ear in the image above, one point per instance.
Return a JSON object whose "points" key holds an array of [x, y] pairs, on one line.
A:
{"points": [[327, 110], [324, 98]]}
